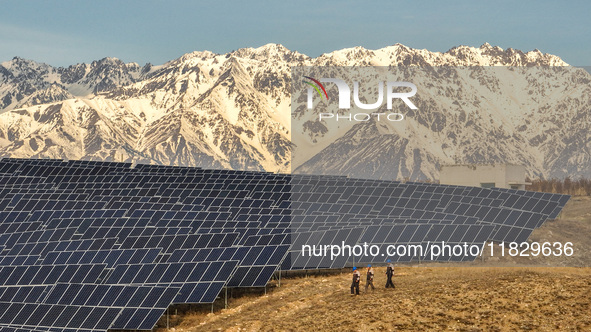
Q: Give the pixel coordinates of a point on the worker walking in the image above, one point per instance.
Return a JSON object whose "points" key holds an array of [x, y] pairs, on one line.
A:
{"points": [[369, 279], [355, 283], [389, 274]]}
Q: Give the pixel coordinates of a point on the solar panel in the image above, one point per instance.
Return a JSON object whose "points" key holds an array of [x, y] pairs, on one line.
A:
{"points": [[169, 273], [19, 260], [24, 294], [88, 245], [169, 243], [50, 274], [110, 257], [146, 305], [199, 292], [10, 239], [300, 259], [42, 248], [18, 329]]}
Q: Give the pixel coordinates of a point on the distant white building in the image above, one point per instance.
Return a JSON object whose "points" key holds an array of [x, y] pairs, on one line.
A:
{"points": [[486, 176]]}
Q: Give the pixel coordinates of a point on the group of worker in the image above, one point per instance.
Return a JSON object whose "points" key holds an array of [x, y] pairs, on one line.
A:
{"points": [[370, 276]]}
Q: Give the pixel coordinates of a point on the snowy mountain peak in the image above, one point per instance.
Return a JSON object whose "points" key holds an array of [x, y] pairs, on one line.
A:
{"points": [[233, 110], [487, 55], [107, 61], [269, 52], [54, 93], [195, 56]]}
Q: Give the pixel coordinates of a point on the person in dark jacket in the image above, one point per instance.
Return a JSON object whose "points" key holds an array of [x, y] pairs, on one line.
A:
{"points": [[389, 274], [369, 281], [355, 283]]}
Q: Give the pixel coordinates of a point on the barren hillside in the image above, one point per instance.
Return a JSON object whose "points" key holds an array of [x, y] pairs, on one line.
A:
{"points": [[454, 298], [494, 295]]}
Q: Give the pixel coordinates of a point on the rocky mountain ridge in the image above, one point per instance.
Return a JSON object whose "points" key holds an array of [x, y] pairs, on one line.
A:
{"points": [[234, 111]]}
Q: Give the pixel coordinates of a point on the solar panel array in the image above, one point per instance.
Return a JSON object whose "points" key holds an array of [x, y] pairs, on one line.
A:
{"points": [[91, 246]]}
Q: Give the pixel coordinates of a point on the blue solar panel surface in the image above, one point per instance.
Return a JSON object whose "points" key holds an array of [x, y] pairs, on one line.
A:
{"points": [[91, 246]]}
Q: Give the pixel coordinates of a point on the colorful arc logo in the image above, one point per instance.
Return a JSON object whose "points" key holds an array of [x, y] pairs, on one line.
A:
{"points": [[316, 87]]}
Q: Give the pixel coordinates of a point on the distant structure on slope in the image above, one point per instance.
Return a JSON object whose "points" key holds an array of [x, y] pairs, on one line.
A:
{"points": [[485, 176]]}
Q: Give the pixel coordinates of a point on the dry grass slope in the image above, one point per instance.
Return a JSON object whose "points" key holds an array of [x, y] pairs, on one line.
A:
{"points": [[499, 295], [454, 298]]}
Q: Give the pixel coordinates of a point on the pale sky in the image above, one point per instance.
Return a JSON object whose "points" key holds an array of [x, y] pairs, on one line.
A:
{"points": [[67, 32]]}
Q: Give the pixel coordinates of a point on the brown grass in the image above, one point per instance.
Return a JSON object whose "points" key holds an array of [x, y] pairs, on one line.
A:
{"points": [[445, 298], [431, 297]]}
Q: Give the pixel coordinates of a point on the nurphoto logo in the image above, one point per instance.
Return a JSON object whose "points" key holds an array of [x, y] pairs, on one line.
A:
{"points": [[344, 98]]}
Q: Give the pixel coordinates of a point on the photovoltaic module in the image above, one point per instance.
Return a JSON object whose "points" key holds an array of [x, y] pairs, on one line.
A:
{"points": [[92, 246]]}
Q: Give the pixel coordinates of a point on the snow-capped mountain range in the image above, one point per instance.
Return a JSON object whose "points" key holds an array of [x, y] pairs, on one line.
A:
{"points": [[234, 111]]}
